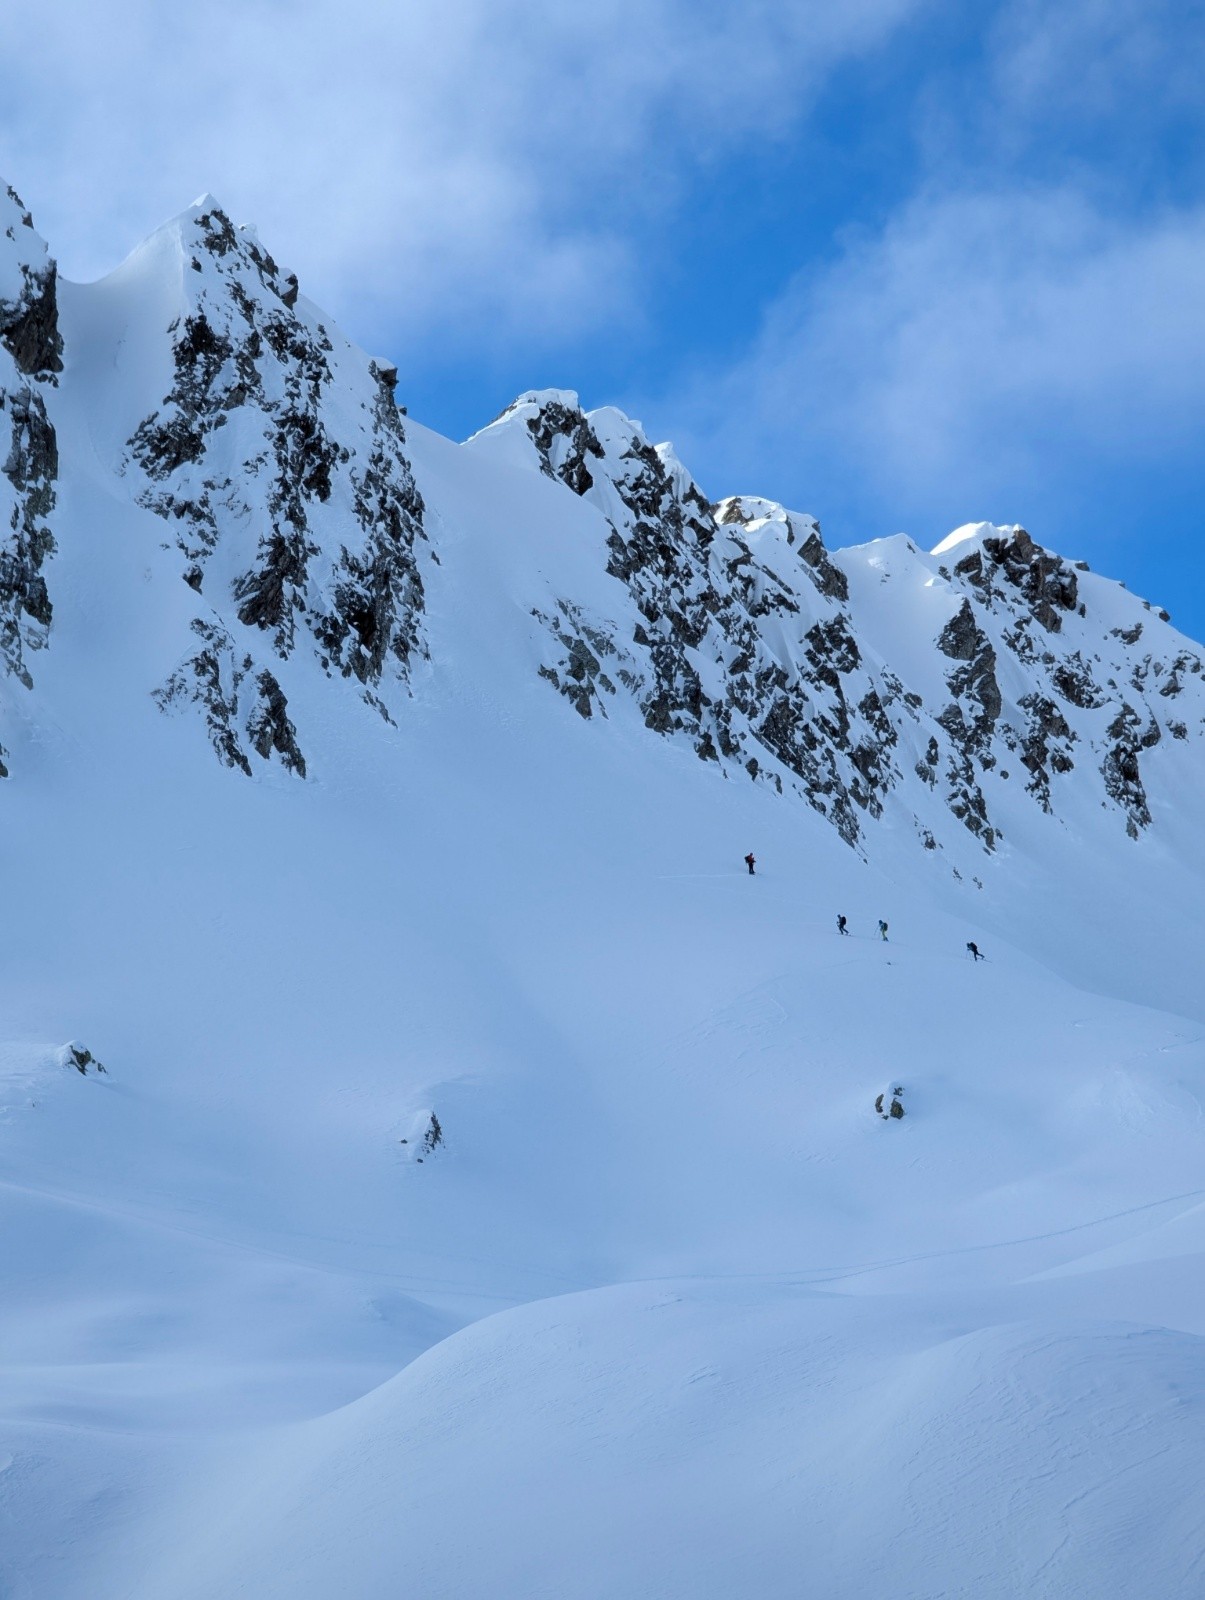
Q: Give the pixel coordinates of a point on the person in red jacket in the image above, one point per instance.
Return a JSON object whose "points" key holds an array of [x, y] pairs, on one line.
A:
{"points": [[749, 860]]}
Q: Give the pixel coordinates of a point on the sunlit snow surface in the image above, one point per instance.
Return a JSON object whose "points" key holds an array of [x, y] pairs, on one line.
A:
{"points": [[672, 1312]]}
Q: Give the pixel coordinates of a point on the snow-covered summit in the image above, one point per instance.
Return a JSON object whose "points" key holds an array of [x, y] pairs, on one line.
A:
{"points": [[966, 533]]}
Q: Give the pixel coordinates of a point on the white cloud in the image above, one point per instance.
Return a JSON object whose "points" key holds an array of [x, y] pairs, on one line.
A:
{"points": [[472, 164], [1135, 59], [978, 342]]}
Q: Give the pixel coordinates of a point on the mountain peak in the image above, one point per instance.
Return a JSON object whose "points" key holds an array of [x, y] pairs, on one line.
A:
{"points": [[28, 303]]}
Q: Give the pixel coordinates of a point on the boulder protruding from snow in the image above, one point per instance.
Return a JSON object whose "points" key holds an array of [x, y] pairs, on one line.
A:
{"points": [[425, 1136], [889, 1104], [80, 1057]]}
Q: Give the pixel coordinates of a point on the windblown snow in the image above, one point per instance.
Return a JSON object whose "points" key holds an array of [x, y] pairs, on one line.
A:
{"points": [[432, 1163]]}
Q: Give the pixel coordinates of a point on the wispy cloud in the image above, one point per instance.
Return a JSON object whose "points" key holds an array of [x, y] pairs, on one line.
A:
{"points": [[476, 164], [974, 336], [1029, 314]]}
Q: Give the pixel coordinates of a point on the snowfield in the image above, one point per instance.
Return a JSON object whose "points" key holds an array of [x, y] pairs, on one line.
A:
{"points": [[667, 1310]]}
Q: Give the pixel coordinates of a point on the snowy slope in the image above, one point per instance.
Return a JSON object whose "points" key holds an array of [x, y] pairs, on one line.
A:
{"points": [[667, 1309]]}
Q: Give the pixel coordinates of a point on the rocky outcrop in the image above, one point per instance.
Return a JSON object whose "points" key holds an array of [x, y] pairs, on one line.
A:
{"points": [[564, 442], [244, 708], [1045, 747], [889, 1104], [709, 586], [424, 1138], [29, 318], [1121, 770], [81, 1058], [30, 356], [433, 1137], [743, 510], [969, 721], [30, 465], [275, 428], [579, 673], [736, 630], [1045, 582]]}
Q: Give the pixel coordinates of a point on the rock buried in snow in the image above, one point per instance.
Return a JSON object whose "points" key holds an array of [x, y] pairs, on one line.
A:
{"points": [[77, 1056], [888, 1103], [426, 1135]]}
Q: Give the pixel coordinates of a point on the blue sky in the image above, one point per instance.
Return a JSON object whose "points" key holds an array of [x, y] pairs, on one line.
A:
{"points": [[899, 263]]}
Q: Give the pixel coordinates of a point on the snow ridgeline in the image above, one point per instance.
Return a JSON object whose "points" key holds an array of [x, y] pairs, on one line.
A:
{"points": [[987, 663], [986, 682]]}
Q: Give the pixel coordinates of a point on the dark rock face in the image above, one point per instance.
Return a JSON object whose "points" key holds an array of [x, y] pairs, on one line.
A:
{"points": [[30, 330], [30, 466], [81, 1058], [30, 356], [1045, 748], [564, 442], [889, 1104], [580, 676], [975, 681], [1046, 583], [269, 728], [970, 719], [1073, 680], [746, 643], [272, 429], [245, 710], [29, 318], [1121, 771], [706, 584]]}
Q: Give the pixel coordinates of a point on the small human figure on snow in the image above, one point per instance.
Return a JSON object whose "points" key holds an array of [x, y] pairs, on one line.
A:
{"points": [[882, 930], [749, 860], [976, 953], [841, 928]]}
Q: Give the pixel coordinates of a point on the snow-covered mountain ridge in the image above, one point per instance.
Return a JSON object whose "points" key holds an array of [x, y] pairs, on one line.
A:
{"points": [[486, 1191], [950, 689], [766, 651]]}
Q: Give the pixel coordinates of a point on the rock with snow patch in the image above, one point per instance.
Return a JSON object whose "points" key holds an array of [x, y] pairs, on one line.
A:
{"points": [[30, 356], [889, 1104]]}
